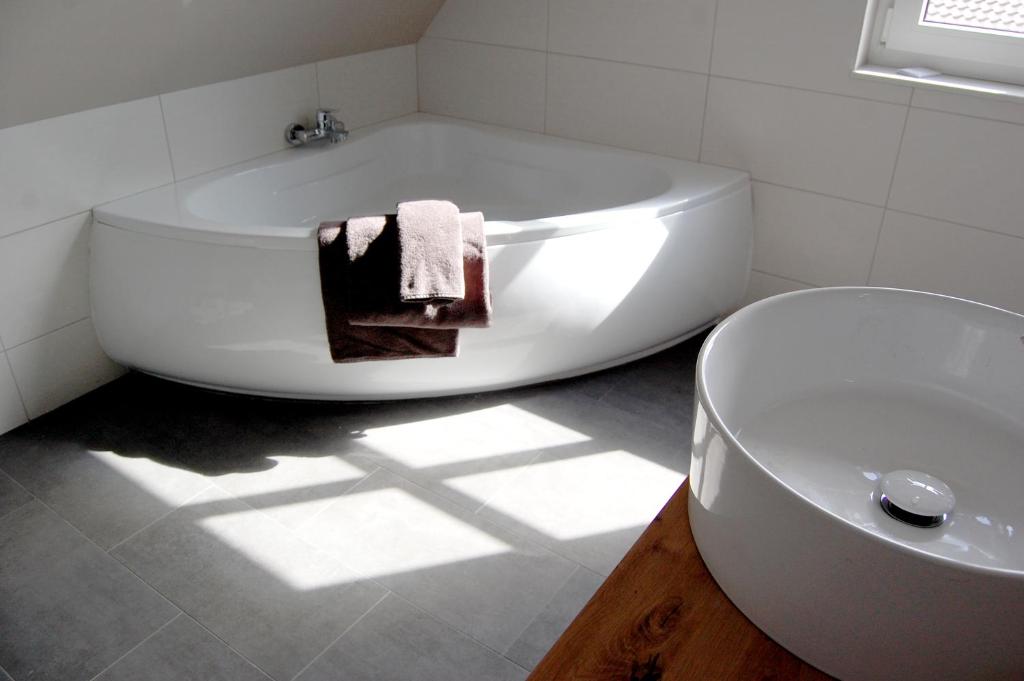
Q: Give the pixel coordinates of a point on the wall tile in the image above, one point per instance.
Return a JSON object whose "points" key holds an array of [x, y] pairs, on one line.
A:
{"points": [[371, 87], [931, 255], [813, 238], [764, 285], [60, 366], [637, 107], [12, 413], [995, 108], [671, 33], [498, 85], [54, 168], [801, 43], [514, 23], [840, 146], [44, 278], [218, 125], [964, 170]]}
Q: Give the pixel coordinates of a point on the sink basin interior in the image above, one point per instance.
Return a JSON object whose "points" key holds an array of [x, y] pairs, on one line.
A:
{"points": [[877, 381]]}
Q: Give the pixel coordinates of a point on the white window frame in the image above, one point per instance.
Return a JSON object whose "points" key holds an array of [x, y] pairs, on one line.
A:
{"points": [[894, 39]]}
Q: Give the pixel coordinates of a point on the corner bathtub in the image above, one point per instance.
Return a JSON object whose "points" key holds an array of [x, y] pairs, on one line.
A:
{"points": [[598, 256]]}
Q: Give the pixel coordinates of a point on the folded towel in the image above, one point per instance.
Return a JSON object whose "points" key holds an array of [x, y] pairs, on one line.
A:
{"points": [[430, 247], [474, 310], [358, 270]]}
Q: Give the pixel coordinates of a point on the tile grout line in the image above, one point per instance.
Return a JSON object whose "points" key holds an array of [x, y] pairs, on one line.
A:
{"points": [[48, 333], [518, 534], [167, 139], [692, 72], [888, 194], [965, 115], [21, 397], [540, 611], [154, 522], [180, 609], [789, 279], [486, 502], [134, 574], [462, 633], [416, 70], [226, 644], [136, 646], [547, 66], [4, 516], [119, 562], [50, 222], [319, 512], [316, 84], [707, 84], [347, 629]]}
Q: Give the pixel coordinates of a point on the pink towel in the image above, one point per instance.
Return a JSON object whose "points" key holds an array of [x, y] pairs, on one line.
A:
{"points": [[474, 310], [430, 247]]}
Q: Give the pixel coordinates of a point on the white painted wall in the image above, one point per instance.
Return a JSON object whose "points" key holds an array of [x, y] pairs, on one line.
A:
{"points": [[856, 181], [62, 56], [52, 172]]}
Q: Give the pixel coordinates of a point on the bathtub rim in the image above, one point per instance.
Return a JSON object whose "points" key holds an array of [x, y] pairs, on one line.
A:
{"points": [[163, 211]]}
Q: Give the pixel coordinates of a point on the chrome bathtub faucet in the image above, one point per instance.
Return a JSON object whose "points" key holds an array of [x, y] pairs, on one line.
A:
{"points": [[327, 128]]}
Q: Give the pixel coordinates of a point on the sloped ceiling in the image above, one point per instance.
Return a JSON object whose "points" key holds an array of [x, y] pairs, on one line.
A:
{"points": [[61, 56]]}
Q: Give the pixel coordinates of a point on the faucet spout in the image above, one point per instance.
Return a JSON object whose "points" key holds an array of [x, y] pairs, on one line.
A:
{"points": [[327, 128]]}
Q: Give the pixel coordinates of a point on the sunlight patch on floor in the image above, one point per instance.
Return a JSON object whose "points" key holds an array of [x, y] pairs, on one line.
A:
{"points": [[483, 433], [387, 531], [577, 497], [279, 554], [169, 484]]}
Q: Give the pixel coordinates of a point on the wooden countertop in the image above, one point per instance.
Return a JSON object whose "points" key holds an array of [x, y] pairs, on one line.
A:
{"points": [[660, 616]]}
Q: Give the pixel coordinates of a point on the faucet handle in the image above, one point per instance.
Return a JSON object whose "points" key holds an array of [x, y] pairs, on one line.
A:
{"points": [[324, 116]]}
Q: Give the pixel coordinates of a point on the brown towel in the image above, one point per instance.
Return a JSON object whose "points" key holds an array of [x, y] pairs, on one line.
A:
{"points": [[359, 269], [430, 247], [474, 310]]}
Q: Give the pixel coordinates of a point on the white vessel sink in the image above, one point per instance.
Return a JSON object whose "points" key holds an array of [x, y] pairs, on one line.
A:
{"points": [[806, 402]]}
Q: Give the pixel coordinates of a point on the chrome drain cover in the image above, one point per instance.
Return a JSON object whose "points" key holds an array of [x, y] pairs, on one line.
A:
{"points": [[916, 498]]}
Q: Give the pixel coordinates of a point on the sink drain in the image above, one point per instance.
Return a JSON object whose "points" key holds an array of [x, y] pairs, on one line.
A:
{"points": [[916, 498]]}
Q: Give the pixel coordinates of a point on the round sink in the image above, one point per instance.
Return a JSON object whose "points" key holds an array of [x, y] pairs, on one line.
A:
{"points": [[857, 481]]}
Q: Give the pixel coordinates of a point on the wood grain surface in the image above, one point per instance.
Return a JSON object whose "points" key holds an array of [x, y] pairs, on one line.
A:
{"points": [[660, 616]]}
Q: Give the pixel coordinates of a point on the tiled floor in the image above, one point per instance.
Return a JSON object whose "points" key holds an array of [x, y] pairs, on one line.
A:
{"points": [[153, 531]]}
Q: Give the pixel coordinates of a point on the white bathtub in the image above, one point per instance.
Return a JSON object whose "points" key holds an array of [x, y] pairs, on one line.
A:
{"points": [[598, 256]]}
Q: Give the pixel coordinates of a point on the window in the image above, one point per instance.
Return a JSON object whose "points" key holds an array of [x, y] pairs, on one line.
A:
{"points": [[976, 45]]}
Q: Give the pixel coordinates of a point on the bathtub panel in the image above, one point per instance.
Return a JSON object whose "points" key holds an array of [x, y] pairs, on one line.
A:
{"points": [[251, 319]]}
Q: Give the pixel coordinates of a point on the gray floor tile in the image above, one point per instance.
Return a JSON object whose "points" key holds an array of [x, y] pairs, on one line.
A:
{"points": [[103, 493], [543, 631], [12, 495], [660, 388], [399, 642], [69, 609], [472, 574], [296, 487], [492, 433], [182, 651], [250, 581], [589, 508], [607, 428]]}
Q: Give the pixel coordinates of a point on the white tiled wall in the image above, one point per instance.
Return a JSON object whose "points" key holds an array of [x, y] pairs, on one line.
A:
{"points": [[52, 172], [856, 181]]}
